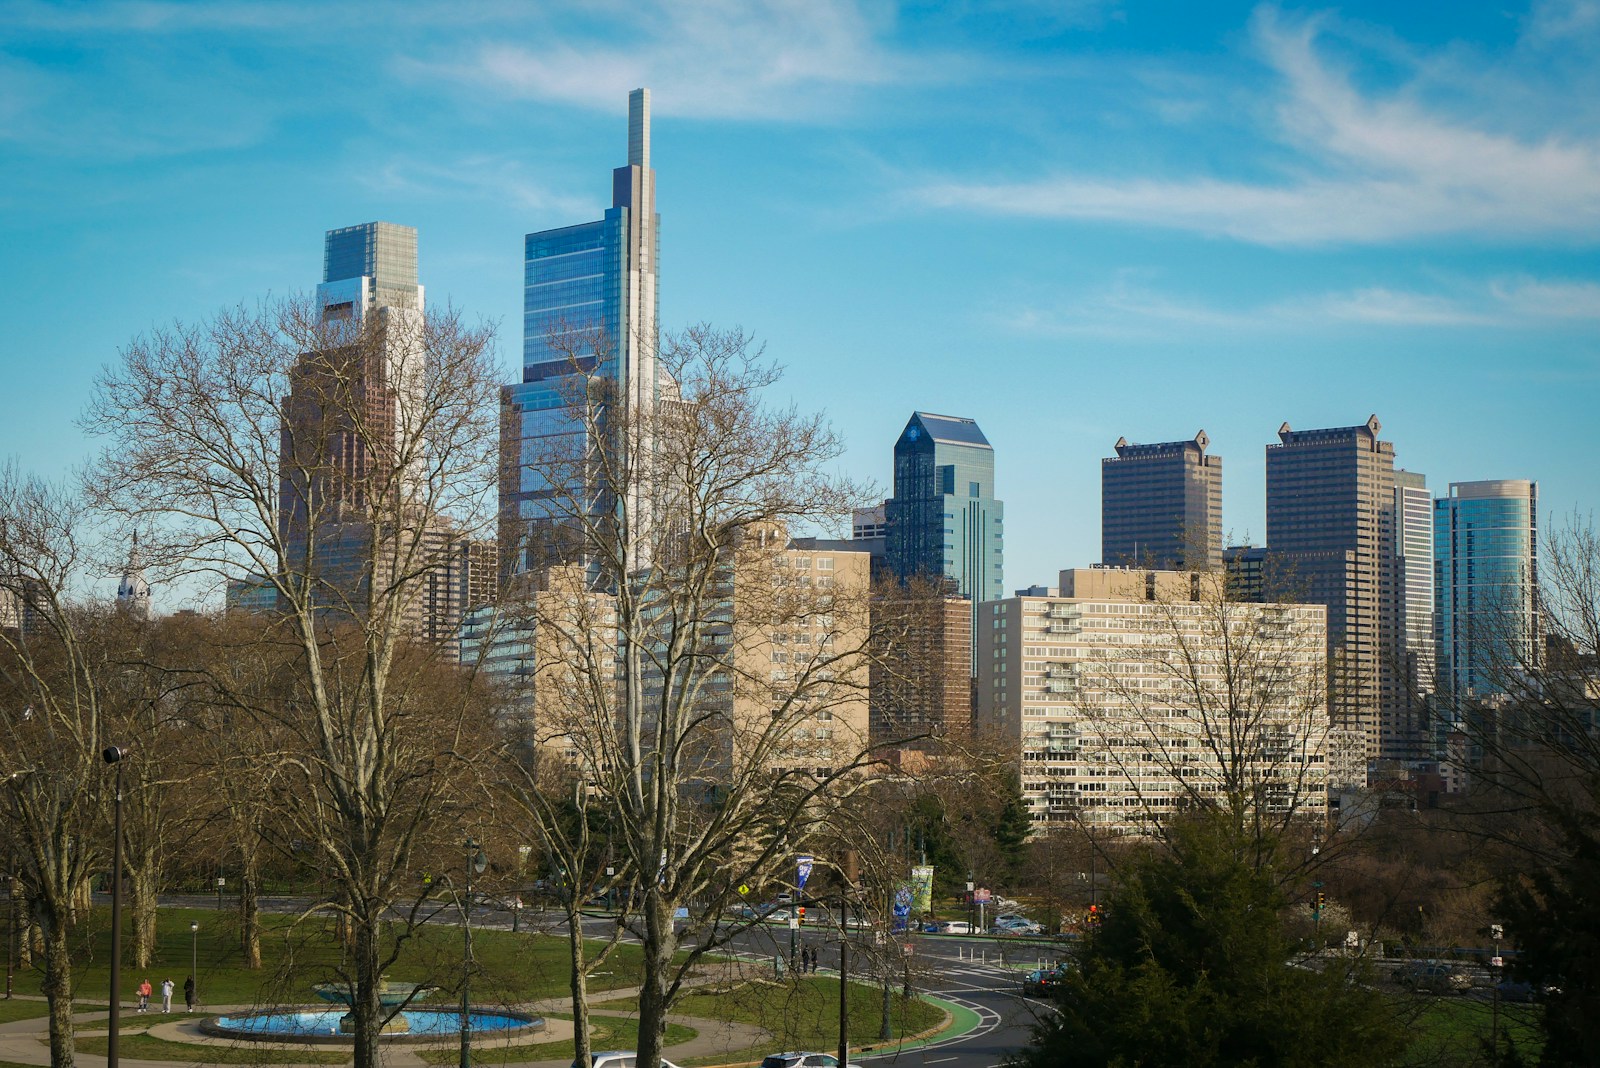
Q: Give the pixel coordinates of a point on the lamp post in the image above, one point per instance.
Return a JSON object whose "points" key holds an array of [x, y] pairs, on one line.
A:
{"points": [[117, 755], [194, 958], [476, 862], [11, 923]]}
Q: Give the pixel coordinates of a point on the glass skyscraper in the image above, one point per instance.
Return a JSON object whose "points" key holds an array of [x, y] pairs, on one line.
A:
{"points": [[590, 307], [943, 520], [1486, 583]]}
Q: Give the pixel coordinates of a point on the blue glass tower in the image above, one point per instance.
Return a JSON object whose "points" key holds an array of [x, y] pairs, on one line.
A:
{"points": [[1486, 583], [943, 520], [590, 308]]}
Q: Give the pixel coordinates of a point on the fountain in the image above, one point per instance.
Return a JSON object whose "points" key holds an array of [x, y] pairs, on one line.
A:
{"points": [[334, 1025]]}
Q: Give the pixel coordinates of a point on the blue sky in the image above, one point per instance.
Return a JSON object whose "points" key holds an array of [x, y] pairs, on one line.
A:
{"points": [[1072, 221]]}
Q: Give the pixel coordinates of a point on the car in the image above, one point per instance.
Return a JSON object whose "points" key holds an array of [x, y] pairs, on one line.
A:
{"points": [[800, 1060], [618, 1059], [1433, 977], [961, 927], [1017, 925], [1514, 990], [1042, 981]]}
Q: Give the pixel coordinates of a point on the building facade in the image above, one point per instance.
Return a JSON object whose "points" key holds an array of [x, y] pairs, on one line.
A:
{"points": [[1486, 579], [1331, 538], [1161, 506], [921, 682], [1126, 697], [590, 312], [943, 522]]}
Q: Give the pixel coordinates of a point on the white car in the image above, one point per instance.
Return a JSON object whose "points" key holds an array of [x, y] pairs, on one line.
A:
{"points": [[1019, 925], [800, 1060], [961, 927], [618, 1059]]}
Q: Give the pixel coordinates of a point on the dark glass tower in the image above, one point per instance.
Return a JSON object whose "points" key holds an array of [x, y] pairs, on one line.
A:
{"points": [[590, 307], [944, 522], [1161, 506]]}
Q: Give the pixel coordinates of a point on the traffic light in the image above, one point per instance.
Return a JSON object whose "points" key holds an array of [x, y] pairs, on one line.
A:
{"points": [[1094, 915], [1322, 900]]}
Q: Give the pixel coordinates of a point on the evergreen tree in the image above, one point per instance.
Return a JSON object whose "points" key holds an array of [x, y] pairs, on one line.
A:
{"points": [[1192, 967]]}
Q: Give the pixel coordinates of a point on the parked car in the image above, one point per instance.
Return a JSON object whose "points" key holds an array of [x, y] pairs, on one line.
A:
{"points": [[1017, 925], [1514, 990], [800, 1060], [961, 927], [617, 1059]]}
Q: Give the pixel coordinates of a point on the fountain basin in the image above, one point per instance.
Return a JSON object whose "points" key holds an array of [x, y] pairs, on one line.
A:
{"points": [[323, 1025]]}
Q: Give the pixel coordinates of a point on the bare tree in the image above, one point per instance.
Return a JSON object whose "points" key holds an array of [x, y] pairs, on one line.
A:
{"points": [[710, 674], [331, 460], [54, 789]]}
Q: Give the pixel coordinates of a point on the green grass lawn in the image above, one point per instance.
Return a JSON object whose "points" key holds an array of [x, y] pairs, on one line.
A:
{"points": [[22, 1010], [143, 1047], [512, 968], [610, 1032], [804, 1014], [1453, 1030]]}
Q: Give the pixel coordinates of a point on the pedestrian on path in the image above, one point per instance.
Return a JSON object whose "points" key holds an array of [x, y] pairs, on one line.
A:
{"points": [[167, 986], [144, 995], [188, 993]]}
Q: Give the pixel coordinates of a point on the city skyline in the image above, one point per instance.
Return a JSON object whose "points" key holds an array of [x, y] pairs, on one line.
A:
{"points": [[1228, 221]]}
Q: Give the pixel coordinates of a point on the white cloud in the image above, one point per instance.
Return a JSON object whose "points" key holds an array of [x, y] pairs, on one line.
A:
{"points": [[1128, 308], [1366, 168], [778, 59]]}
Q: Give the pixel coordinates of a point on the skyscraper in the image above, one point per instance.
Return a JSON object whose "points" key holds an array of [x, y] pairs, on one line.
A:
{"points": [[1405, 733], [943, 521], [349, 511], [590, 307], [1486, 582], [1161, 506], [1331, 538]]}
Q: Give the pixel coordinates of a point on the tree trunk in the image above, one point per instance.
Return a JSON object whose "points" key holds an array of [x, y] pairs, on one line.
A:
{"points": [[366, 1011], [580, 983], [142, 906], [58, 989], [249, 914], [659, 945]]}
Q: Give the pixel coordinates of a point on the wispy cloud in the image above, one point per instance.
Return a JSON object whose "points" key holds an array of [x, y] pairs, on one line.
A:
{"points": [[1362, 167], [494, 179], [775, 59], [1129, 307]]}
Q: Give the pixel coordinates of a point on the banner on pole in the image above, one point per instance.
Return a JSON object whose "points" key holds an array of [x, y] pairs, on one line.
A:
{"points": [[802, 871], [922, 888]]}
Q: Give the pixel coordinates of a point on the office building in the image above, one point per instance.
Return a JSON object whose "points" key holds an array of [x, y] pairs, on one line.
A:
{"points": [[1115, 697], [350, 515], [590, 311], [1161, 506], [1486, 583], [943, 522], [1406, 728], [1331, 537], [920, 684]]}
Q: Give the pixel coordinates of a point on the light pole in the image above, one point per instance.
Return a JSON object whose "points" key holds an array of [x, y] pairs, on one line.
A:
{"points": [[194, 959], [117, 755], [476, 862], [11, 923]]}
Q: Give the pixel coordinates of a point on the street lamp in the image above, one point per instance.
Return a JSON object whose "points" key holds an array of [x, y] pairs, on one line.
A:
{"points": [[194, 961], [476, 862], [11, 923], [117, 755]]}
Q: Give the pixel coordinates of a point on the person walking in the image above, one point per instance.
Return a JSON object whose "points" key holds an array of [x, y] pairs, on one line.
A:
{"points": [[188, 993], [144, 995], [167, 986]]}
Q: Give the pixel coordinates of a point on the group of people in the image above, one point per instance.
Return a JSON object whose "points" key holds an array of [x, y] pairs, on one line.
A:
{"points": [[167, 987], [807, 961]]}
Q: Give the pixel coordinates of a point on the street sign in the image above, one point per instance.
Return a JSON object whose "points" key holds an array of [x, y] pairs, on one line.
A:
{"points": [[982, 895], [794, 923]]}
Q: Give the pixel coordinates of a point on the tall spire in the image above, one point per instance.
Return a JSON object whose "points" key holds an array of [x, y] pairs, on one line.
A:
{"points": [[133, 592], [639, 128]]}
